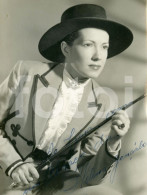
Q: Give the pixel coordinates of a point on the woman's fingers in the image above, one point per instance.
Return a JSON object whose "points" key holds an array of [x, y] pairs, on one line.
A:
{"points": [[25, 173], [23, 178], [16, 178], [119, 132], [120, 123], [28, 176], [33, 171]]}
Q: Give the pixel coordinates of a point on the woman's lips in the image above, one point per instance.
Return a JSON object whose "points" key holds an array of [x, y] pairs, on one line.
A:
{"points": [[94, 67]]}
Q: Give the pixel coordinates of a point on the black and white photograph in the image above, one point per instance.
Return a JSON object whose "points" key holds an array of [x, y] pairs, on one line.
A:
{"points": [[73, 106]]}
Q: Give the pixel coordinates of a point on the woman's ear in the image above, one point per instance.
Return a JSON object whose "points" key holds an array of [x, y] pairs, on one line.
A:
{"points": [[64, 48]]}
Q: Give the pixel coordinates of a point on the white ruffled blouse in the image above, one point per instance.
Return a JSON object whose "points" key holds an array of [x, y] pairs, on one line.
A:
{"points": [[64, 109]]}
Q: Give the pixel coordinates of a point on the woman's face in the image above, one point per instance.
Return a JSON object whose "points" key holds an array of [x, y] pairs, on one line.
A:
{"points": [[87, 55]]}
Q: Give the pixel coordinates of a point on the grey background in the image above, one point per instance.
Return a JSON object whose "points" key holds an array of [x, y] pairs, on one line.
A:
{"points": [[23, 22]]}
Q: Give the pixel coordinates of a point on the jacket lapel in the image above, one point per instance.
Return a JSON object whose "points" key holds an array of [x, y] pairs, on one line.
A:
{"points": [[44, 99]]}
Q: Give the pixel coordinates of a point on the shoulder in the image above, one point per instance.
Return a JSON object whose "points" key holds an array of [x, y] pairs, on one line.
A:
{"points": [[32, 67]]}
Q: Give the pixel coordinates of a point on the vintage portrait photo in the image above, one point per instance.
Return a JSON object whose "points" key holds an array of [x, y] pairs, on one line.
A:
{"points": [[73, 105]]}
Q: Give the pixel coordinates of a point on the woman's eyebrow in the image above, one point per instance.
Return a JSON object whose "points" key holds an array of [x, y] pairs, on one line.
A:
{"points": [[94, 41], [81, 39]]}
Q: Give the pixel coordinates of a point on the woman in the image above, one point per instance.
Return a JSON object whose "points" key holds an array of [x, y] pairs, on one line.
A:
{"points": [[46, 105]]}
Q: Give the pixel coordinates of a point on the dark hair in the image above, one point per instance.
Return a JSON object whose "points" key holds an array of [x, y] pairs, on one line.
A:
{"points": [[69, 39]]}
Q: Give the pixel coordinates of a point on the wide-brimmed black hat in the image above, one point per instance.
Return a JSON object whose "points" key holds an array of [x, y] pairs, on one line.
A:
{"points": [[79, 17]]}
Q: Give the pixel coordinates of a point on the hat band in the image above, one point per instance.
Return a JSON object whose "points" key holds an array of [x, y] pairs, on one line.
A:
{"points": [[82, 18]]}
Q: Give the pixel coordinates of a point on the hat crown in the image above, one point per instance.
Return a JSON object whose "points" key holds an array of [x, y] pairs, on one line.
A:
{"points": [[84, 11]]}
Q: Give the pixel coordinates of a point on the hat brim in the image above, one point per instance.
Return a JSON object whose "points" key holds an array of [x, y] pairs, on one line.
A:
{"points": [[120, 37]]}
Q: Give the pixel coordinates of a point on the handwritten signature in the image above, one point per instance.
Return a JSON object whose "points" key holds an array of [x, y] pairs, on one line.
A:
{"points": [[142, 144], [93, 173], [52, 150]]}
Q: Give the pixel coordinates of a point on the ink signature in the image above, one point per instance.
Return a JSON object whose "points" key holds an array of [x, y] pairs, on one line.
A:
{"points": [[142, 144], [95, 173], [87, 178]]}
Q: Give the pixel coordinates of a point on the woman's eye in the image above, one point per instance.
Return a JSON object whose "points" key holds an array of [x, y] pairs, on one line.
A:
{"points": [[106, 46], [88, 44]]}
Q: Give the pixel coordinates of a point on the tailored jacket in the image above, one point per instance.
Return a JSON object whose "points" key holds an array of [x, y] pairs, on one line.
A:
{"points": [[27, 97]]}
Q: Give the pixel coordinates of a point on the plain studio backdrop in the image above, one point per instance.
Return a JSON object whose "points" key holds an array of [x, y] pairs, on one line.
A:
{"points": [[23, 22]]}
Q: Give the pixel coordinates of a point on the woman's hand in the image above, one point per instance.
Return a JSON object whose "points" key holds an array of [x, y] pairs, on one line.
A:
{"points": [[25, 173], [119, 128]]}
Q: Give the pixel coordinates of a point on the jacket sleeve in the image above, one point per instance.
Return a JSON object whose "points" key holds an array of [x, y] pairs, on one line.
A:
{"points": [[8, 91]]}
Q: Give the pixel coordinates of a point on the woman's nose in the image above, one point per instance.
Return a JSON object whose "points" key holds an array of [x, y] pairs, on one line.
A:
{"points": [[96, 55]]}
